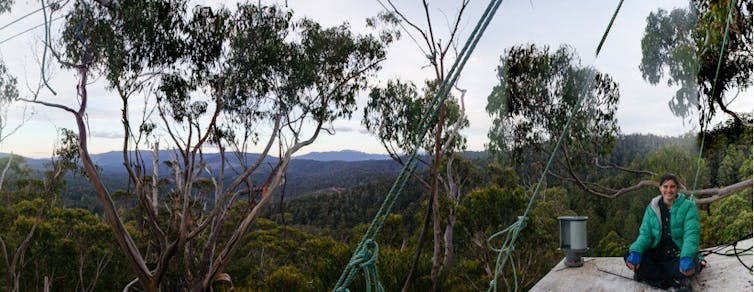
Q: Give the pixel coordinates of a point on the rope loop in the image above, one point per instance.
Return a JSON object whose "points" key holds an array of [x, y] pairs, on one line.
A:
{"points": [[364, 259], [516, 227], [367, 256]]}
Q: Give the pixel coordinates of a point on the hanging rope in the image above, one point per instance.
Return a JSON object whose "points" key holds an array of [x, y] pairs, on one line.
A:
{"points": [[714, 86], [47, 43], [366, 253], [511, 233]]}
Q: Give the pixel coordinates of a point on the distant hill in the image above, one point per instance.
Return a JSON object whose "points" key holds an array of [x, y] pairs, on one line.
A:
{"points": [[342, 155], [340, 169], [315, 172]]}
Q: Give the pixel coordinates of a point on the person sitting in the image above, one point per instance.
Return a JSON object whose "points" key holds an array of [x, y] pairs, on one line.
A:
{"points": [[665, 252]]}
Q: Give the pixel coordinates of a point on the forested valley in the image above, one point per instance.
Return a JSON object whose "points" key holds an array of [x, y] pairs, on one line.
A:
{"points": [[303, 243]]}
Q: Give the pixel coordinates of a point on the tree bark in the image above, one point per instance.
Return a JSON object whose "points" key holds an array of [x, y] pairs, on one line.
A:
{"points": [[437, 227]]}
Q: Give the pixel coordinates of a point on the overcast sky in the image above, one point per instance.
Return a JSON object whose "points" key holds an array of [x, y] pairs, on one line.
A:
{"points": [[642, 109]]}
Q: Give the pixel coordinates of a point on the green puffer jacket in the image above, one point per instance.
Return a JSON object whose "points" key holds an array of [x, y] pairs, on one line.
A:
{"points": [[684, 227]]}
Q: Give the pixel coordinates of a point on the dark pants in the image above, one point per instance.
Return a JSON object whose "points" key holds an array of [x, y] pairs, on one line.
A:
{"points": [[659, 271]]}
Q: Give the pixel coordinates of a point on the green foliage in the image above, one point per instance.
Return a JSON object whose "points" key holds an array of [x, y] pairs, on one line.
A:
{"points": [[288, 278], [491, 209], [538, 92], [72, 247], [685, 44], [255, 59], [8, 90], [612, 245], [730, 220], [678, 57], [8, 87], [276, 257], [216, 76], [728, 173], [727, 146], [682, 163], [310, 254], [394, 113], [345, 208]]}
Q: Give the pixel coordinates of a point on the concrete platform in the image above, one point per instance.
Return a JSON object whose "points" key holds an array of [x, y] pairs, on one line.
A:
{"points": [[723, 273]]}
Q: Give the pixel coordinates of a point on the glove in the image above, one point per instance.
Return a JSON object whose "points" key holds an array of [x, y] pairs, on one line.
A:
{"points": [[634, 258], [686, 264]]}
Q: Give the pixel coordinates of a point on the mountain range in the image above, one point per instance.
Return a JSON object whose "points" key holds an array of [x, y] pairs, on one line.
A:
{"points": [[306, 174]]}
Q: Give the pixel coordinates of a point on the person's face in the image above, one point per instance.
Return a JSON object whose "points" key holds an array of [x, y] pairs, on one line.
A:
{"points": [[668, 189]]}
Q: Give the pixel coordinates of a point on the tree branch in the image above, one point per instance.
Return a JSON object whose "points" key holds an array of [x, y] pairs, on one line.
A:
{"points": [[707, 196], [610, 165]]}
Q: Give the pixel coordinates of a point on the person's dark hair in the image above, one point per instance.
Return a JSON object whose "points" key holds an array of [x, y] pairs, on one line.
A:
{"points": [[669, 176]]}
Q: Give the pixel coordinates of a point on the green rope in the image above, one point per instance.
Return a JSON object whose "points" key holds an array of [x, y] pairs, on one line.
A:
{"points": [[609, 25], [511, 232], [714, 86], [368, 248]]}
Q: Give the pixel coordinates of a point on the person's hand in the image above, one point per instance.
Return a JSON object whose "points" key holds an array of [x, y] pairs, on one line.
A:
{"points": [[633, 260], [687, 266]]}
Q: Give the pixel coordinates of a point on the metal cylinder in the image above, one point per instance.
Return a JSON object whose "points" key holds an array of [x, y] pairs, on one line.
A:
{"points": [[573, 238], [573, 232]]}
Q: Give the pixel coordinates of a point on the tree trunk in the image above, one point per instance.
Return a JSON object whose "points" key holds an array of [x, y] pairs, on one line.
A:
{"points": [[449, 247], [417, 254], [437, 250]]}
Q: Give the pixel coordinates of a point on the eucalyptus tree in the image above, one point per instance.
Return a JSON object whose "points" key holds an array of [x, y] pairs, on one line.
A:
{"points": [[229, 78], [707, 50], [538, 92], [8, 90], [394, 111], [685, 47]]}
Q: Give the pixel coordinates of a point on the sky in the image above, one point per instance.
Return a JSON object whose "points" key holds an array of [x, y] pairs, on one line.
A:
{"points": [[642, 108]]}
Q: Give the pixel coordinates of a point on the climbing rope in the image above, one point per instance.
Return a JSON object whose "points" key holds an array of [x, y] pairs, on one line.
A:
{"points": [[511, 233], [714, 86], [367, 251]]}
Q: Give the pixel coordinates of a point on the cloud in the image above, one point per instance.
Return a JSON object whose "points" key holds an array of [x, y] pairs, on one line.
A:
{"points": [[106, 134], [346, 129]]}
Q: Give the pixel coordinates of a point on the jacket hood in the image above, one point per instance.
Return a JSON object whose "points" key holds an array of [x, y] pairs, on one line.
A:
{"points": [[680, 198]]}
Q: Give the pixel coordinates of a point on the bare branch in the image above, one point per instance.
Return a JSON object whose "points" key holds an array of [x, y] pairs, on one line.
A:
{"points": [[120, 232], [21, 249], [456, 24], [5, 170], [610, 165], [48, 104], [273, 181], [725, 109], [707, 196], [454, 131], [231, 192], [403, 18], [7, 260]]}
